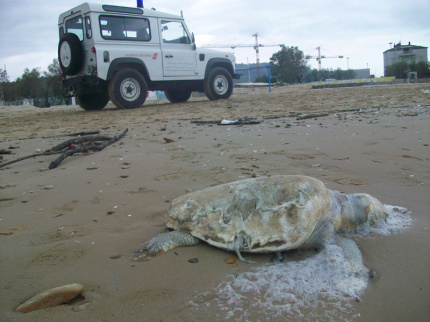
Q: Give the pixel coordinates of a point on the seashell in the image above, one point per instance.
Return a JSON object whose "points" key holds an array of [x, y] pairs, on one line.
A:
{"points": [[51, 298]]}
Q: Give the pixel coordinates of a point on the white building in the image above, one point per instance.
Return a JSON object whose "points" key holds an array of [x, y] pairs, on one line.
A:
{"points": [[407, 53]]}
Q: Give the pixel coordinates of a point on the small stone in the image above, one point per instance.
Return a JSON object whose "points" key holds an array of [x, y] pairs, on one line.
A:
{"points": [[230, 260], [193, 260], [167, 140], [116, 256], [49, 187], [81, 307], [110, 212]]}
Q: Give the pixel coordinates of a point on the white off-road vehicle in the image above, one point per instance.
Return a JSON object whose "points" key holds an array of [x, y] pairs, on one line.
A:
{"points": [[119, 53]]}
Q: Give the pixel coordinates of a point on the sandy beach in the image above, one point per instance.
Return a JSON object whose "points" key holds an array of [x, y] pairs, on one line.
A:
{"points": [[80, 222]]}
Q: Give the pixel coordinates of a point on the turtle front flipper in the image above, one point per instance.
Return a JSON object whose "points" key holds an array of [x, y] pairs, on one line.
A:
{"points": [[163, 243]]}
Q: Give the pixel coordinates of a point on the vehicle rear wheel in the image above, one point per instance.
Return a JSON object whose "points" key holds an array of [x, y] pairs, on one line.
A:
{"points": [[70, 54], [219, 84], [127, 89], [93, 102], [178, 96]]}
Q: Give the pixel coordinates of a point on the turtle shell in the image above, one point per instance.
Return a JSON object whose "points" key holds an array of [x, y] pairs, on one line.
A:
{"points": [[270, 214]]}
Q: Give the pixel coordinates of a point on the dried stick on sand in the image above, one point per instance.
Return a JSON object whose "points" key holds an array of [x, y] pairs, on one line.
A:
{"points": [[87, 147], [87, 143]]}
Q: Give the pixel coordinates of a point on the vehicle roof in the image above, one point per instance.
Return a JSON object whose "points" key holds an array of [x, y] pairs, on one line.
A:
{"points": [[98, 7]]}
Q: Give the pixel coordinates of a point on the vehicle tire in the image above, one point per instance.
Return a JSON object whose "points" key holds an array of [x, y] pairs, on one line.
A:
{"points": [[178, 96], [219, 84], [127, 89], [70, 54], [93, 102]]}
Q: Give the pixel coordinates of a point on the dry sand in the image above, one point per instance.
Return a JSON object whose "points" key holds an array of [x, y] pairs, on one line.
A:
{"points": [[51, 237]]}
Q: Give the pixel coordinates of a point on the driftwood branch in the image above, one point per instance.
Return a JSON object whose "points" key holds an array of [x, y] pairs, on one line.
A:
{"points": [[83, 133], [72, 146], [86, 148], [79, 140], [310, 116], [25, 158]]}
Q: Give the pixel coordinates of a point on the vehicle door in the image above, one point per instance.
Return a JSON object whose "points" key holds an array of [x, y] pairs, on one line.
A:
{"points": [[178, 51]]}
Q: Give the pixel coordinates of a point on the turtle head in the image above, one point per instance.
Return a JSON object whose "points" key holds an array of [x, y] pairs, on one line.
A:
{"points": [[357, 208], [367, 208]]}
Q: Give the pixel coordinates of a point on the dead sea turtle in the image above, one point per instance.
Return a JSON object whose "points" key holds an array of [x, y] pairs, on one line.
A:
{"points": [[261, 215]]}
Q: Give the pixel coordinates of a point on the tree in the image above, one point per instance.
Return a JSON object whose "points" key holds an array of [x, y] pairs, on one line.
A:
{"points": [[339, 74], [398, 70], [422, 68], [53, 79], [30, 84], [3, 76], [3, 79], [289, 63]]}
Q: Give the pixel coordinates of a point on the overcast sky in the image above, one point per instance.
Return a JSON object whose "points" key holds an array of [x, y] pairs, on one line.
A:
{"points": [[360, 30]]}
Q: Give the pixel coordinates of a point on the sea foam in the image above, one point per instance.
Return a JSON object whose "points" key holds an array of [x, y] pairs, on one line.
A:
{"points": [[316, 286]]}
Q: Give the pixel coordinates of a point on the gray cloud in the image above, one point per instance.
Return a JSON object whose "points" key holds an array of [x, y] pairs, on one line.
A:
{"points": [[360, 30]]}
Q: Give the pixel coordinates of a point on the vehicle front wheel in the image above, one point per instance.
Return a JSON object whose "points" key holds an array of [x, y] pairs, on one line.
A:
{"points": [[178, 96], [127, 89], [93, 102], [219, 84]]}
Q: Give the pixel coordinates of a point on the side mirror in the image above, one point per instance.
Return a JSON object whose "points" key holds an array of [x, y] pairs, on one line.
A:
{"points": [[193, 40]]}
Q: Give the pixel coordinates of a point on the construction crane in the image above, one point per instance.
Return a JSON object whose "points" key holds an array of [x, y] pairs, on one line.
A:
{"points": [[319, 57], [256, 46]]}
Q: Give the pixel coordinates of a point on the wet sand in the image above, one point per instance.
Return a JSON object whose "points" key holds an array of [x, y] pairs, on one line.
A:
{"points": [[375, 139]]}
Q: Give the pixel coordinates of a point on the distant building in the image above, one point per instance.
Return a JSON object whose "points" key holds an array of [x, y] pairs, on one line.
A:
{"points": [[407, 53], [362, 73]]}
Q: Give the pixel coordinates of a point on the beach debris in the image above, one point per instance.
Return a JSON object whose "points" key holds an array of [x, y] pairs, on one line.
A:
{"points": [[230, 260], [51, 298], [84, 133], [116, 256], [48, 187], [312, 115], [193, 260], [239, 121], [87, 143], [81, 307], [167, 140], [265, 214], [72, 146], [7, 185]]}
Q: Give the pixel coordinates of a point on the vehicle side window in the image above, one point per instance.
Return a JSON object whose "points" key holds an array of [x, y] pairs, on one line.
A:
{"points": [[76, 26], [88, 27], [174, 32], [124, 28]]}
